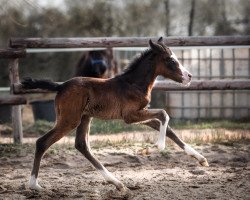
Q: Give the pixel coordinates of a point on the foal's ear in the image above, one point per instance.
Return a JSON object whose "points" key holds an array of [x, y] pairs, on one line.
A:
{"points": [[156, 47], [160, 40]]}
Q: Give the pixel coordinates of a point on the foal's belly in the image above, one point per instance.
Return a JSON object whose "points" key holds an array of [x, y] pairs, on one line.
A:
{"points": [[103, 110]]}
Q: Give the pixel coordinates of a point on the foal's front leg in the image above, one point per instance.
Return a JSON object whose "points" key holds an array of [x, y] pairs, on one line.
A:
{"points": [[147, 115], [82, 145], [188, 149]]}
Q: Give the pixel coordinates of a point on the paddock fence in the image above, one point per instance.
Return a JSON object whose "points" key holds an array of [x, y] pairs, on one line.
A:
{"points": [[18, 49]]}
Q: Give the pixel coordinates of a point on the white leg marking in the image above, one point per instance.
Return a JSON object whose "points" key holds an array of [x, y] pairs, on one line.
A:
{"points": [[109, 177], [33, 184], [191, 152], [161, 143]]}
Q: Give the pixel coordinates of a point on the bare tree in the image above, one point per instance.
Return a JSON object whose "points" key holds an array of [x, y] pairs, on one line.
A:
{"points": [[166, 3], [223, 26], [191, 18]]}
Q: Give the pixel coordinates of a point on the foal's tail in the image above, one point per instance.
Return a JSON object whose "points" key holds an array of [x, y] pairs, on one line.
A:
{"points": [[29, 83]]}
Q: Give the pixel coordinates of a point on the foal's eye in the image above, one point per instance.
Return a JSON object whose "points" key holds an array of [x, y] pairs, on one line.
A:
{"points": [[172, 64]]}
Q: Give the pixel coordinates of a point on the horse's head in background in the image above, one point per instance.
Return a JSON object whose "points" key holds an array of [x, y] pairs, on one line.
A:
{"points": [[93, 64], [168, 64]]}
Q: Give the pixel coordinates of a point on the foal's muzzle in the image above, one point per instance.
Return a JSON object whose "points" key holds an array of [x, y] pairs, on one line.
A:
{"points": [[186, 78]]}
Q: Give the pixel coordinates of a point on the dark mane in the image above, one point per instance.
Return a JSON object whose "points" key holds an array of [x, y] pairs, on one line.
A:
{"points": [[136, 60]]}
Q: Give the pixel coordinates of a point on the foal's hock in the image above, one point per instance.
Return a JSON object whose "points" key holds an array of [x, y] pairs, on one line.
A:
{"points": [[125, 97]]}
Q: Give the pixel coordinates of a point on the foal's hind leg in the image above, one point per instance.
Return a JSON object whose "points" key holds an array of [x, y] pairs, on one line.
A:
{"points": [[42, 144], [68, 114], [82, 145], [189, 150]]}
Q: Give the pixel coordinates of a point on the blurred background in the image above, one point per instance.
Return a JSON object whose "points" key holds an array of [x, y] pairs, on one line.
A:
{"points": [[215, 123], [99, 18]]}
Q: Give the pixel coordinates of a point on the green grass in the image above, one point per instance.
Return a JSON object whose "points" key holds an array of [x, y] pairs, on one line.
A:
{"points": [[38, 128], [117, 126], [114, 126], [97, 127], [211, 124]]}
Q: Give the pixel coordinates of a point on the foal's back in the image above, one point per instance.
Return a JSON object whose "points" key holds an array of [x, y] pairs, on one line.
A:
{"points": [[102, 98]]}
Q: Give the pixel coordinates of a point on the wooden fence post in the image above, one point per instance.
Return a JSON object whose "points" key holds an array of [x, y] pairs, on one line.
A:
{"points": [[16, 110], [110, 62]]}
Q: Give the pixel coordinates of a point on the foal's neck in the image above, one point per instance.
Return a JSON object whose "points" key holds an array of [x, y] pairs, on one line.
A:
{"points": [[142, 73]]}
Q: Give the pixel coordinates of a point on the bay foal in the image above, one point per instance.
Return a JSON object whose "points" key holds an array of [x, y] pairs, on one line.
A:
{"points": [[125, 96]]}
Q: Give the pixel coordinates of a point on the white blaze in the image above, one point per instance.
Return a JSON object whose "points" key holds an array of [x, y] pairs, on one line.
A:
{"points": [[186, 79]]}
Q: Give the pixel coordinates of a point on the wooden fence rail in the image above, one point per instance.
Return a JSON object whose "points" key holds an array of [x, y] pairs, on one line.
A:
{"points": [[12, 53], [205, 85], [13, 100], [126, 42]]}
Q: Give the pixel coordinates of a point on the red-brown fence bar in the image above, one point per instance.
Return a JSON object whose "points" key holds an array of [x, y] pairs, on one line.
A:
{"points": [[13, 100]]}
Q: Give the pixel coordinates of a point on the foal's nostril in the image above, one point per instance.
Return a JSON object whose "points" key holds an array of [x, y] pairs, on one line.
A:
{"points": [[189, 75]]}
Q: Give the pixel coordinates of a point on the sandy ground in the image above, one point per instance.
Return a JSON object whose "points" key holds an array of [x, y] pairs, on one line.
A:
{"points": [[170, 174]]}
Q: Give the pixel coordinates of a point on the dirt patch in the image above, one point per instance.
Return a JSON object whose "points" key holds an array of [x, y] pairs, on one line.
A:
{"points": [[170, 174]]}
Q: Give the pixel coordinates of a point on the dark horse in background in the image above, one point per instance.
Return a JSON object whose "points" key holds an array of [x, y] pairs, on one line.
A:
{"points": [[94, 64], [125, 97]]}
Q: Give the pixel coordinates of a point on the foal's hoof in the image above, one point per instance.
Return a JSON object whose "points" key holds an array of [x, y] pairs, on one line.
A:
{"points": [[161, 146], [33, 184], [123, 193], [36, 187], [123, 189], [204, 163]]}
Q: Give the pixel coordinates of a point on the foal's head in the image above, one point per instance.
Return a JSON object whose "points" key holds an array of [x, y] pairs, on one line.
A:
{"points": [[167, 64]]}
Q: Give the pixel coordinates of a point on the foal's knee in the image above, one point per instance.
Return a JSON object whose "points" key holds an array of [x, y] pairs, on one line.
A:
{"points": [[163, 116]]}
